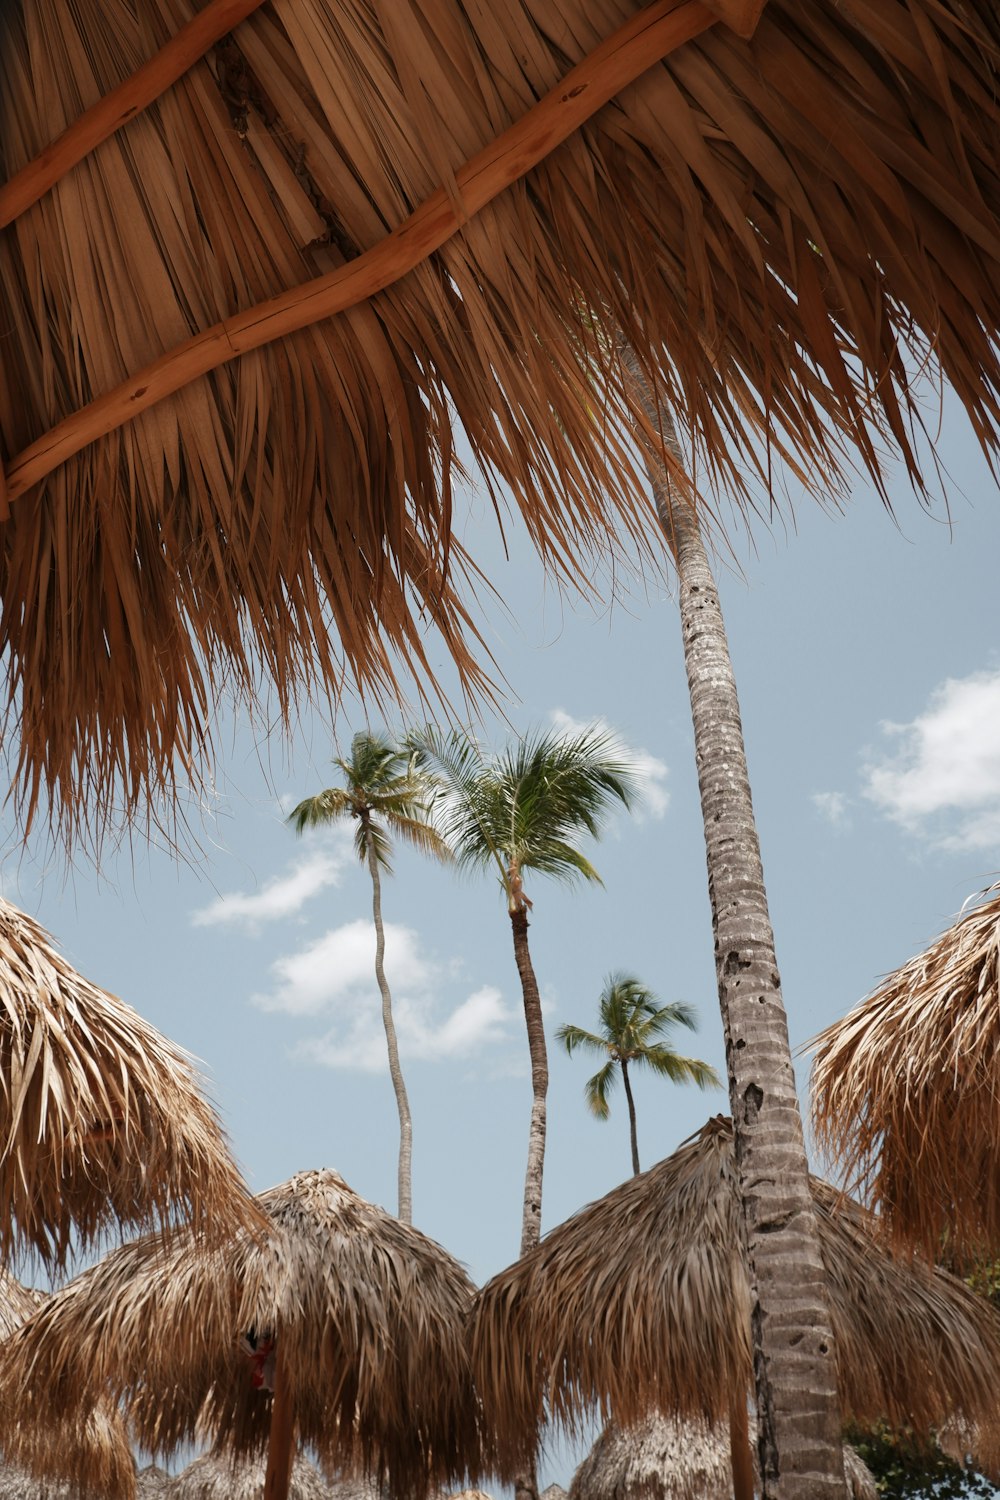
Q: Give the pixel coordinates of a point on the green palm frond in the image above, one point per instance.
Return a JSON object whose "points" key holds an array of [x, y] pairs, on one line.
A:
{"points": [[631, 1021], [524, 807], [383, 784], [597, 1090]]}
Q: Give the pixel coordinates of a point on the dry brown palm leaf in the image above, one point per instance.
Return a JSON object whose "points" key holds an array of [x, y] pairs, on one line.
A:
{"points": [[770, 223], [218, 1476], [906, 1091], [58, 1460], [668, 1458], [641, 1302], [102, 1121], [366, 1314]]}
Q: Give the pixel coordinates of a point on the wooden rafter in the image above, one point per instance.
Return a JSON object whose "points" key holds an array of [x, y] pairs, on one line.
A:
{"points": [[643, 40], [129, 99]]}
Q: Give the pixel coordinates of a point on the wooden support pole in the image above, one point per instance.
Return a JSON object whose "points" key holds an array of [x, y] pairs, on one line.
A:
{"points": [[121, 105], [281, 1441], [739, 1448], [643, 40]]}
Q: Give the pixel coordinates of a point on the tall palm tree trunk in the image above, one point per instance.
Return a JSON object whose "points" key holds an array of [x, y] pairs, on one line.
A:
{"points": [[531, 1220], [631, 1119], [405, 1169], [801, 1456]]}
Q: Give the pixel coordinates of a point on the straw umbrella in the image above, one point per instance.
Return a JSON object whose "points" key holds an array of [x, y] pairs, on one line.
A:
{"points": [[906, 1091], [101, 1118], [217, 1476], [770, 223], [364, 1315], [91, 1456], [665, 1458], [641, 1302]]}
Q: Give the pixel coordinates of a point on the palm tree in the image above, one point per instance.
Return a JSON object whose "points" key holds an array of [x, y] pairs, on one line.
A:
{"points": [[514, 813], [795, 1362], [631, 1025], [383, 787]]}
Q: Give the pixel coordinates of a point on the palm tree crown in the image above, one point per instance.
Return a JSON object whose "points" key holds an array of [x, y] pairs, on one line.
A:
{"points": [[631, 1025], [383, 784], [519, 811]]}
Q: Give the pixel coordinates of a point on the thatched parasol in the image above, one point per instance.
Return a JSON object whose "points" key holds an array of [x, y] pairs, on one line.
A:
{"points": [[61, 1460], [641, 1302], [101, 1118], [218, 1477], [771, 224], [906, 1091], [666, 1458], [366, 1316]]}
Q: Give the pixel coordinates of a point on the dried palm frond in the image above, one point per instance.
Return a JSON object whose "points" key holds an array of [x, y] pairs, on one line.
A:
{"points": [[218, 1476], [641, 1302], [906, 1091], [668, 1458], [56, 1459], [367, 1313], [771, 224], [102, 1122]]}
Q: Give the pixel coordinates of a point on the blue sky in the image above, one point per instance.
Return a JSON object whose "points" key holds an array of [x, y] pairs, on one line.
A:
{"points": [[866, 652]]}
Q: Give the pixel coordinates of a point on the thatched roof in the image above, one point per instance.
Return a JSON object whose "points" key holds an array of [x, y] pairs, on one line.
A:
{"points": [[641, 1302], [152, 1483], [666, 1458], [102, 1119], [218, 1477], [59, 1460], [368, 1312], [906, 1090], [770, 223]]}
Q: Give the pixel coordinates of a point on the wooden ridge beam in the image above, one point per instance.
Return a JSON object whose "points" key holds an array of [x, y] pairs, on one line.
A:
{"points": [[109, 114], [643, 40]]}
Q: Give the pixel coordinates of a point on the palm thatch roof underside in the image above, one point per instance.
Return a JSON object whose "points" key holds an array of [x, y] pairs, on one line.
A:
{"points": [[102, 1121], [367, 1314], [641, 1302], [906, 1090], [666, 1458], [772, 224]]}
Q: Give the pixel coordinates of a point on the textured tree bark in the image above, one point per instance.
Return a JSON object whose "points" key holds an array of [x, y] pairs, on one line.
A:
{"points": [[801, 1456], [631, 1119], [531, 1221], [405, 1169]]}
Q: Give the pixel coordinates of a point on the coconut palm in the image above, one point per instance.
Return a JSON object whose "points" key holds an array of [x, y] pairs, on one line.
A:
{"points": [[383, 787], [906, 1091], [353, 1338], [781, 1235], [102, 1120], [516, 814], [642, 1301], [632, 1024]]}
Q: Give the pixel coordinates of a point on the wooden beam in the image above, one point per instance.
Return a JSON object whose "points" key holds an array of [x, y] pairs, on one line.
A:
{"points": [[109, 114], [645, 38], [739, 1448]]}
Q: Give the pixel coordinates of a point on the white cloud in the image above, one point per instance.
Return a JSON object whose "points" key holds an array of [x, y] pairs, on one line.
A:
{"points": [[830, 805], [943, 781], [341, 962], [651, 772], [334, 976], [285, 895]]}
